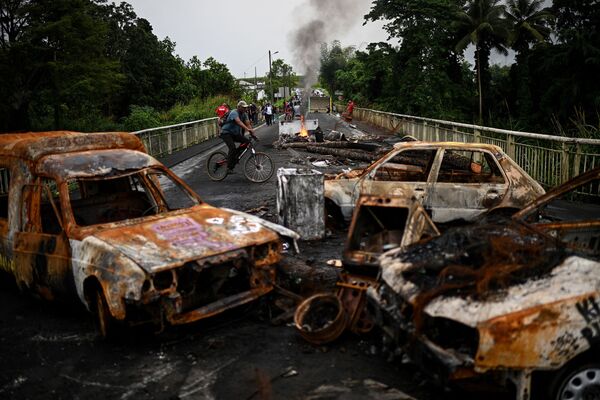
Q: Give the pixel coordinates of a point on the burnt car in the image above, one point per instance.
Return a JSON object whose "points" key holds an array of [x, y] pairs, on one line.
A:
{"points": [[452, 181], [514, 300], [93, 217]]}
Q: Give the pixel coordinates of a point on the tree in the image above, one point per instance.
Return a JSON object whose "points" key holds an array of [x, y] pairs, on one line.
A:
{"points": [[426, 76], [481, 23], [282, 74], [529, 24], [333, 58]]}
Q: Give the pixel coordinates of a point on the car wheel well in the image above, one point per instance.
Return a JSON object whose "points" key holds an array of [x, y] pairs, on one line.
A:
{"points": [[546, 383], [90, 286]]}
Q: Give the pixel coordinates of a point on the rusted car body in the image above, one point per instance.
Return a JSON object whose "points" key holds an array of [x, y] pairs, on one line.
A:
{"points": [[382, 223], [92, 216], [451, 180], [517, 300]]}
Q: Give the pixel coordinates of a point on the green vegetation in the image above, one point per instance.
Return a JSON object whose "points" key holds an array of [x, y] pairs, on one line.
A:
{"points": [[91, 66], [551, 86]]}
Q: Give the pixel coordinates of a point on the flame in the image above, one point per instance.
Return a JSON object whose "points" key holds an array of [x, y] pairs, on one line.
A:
{"points": [[303, 131]]}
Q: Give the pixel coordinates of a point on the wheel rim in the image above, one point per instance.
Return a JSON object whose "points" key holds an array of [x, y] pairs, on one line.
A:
{"points": [[258, 168], [584, 385], [217, 169]]}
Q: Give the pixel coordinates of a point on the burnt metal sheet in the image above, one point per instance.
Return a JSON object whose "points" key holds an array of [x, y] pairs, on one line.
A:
{"points": [[94, 163], [33, 145], [170, 241]]}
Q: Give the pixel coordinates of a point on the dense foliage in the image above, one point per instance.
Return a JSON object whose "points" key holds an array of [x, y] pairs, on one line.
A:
{"points": [[89, 65], [550, 87]]}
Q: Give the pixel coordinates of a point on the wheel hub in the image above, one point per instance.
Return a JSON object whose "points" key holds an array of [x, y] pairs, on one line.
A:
{"points": [[585, 385]]}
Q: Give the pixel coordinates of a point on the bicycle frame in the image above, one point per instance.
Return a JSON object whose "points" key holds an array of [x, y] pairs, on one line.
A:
{"points": [[245, 147]]}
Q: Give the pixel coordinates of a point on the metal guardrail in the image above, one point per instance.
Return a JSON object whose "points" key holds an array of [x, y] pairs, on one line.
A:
{"points": [[166, 140], [551, 160]]}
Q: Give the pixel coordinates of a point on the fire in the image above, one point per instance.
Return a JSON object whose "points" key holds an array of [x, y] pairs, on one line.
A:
{"points": [[303, 131]]}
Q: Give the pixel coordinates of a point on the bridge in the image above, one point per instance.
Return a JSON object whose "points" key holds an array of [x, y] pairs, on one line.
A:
{"points": [[549, 159]]}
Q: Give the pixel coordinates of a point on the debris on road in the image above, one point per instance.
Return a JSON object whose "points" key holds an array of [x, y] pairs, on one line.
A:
{"points": [[300, 201]]}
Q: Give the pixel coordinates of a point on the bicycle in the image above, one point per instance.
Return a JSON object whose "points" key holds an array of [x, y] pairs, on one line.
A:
{"points": [[258, 167]]}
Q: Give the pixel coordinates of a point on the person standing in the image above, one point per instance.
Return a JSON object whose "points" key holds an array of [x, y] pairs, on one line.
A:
{"points": [[269, 113], [232, 131]]}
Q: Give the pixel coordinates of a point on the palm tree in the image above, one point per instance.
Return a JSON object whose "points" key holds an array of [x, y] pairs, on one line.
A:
{"points": [[481, 23], [528, 22]]}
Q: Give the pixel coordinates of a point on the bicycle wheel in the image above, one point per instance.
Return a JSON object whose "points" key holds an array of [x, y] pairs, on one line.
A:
{"points": [[259, 167], [216, 166]]}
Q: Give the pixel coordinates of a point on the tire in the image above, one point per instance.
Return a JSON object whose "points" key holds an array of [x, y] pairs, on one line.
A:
{"points": [[105, 323], [259, 167], [580, 382], [216, 168]]}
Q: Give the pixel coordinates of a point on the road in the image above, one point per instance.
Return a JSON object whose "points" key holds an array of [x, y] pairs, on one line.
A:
{"points": [[51, 351]]}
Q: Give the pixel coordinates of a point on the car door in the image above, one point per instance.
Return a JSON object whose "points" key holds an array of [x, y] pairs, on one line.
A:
{"points": [[41, 246], [404, 173], [466, 184]]}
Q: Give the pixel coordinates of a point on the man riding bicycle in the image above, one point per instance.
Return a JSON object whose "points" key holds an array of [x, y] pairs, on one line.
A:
{"points": [[233, 131]]}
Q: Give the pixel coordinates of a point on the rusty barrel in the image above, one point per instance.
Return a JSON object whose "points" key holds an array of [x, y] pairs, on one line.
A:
{"points": [[320, 318]]}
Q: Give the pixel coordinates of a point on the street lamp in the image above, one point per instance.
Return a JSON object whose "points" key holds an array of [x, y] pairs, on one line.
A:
{"points": [[271, 77]]}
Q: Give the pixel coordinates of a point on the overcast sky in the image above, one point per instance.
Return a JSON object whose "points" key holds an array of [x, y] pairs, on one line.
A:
{"points": [[240, 33]]}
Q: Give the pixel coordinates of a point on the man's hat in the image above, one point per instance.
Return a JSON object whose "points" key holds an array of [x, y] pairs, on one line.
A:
{"points": [[242, 104]]}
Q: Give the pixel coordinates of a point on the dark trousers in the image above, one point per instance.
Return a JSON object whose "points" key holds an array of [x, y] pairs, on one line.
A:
{"points": [[230, 139], [269, 119]]}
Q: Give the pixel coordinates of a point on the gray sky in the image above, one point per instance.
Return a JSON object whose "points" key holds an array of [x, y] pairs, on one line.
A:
{"points": [[240, 33]]}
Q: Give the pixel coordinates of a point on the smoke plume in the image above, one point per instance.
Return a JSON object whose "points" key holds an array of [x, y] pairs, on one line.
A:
{"points": [[329, 19]]}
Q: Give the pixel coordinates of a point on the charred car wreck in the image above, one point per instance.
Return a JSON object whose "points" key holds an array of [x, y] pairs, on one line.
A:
{"points": [[453, 181], [515, 300], [93, 217]]}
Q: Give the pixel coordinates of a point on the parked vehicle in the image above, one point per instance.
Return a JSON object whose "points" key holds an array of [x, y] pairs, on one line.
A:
{"points": [[451, 180], [93, 217], [516, 299]]}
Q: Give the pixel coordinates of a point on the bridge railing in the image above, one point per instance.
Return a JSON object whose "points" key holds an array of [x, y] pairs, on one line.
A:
{"points": [[166, 140], [551, 160]]}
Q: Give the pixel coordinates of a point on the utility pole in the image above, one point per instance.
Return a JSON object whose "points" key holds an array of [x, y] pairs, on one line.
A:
{"points": [[271, 78], [255, 85]]}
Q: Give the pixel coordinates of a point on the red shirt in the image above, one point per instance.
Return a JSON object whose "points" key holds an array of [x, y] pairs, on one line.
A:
{"points": [[221, 110], [350, 107]]}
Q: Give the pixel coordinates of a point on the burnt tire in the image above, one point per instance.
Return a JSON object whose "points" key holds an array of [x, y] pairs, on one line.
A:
{"points": [[103, 319], [577, 382]]}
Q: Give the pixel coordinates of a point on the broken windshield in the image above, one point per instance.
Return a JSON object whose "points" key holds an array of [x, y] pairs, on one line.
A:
{"points": [[150, 191]]}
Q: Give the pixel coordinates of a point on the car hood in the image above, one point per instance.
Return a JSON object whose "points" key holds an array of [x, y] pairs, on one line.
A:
{"points": [[203, 231], [461, 274]]}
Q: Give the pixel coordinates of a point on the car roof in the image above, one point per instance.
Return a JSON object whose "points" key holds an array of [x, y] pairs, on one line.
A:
{"points": [[450, 145], [95, 163], [34, 145]]}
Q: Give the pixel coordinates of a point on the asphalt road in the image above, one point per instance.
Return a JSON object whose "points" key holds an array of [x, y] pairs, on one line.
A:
{"points": [[51, 351]]}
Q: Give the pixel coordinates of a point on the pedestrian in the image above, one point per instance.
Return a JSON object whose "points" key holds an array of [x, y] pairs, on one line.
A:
{"points": [[269, 113], [253, 113], [232, 131], [222, 110], [347, 115]]}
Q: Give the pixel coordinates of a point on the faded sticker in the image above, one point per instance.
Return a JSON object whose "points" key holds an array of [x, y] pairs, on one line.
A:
{"points": [[215, 221], [590, 311], [185, 232], [243, 226]]}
